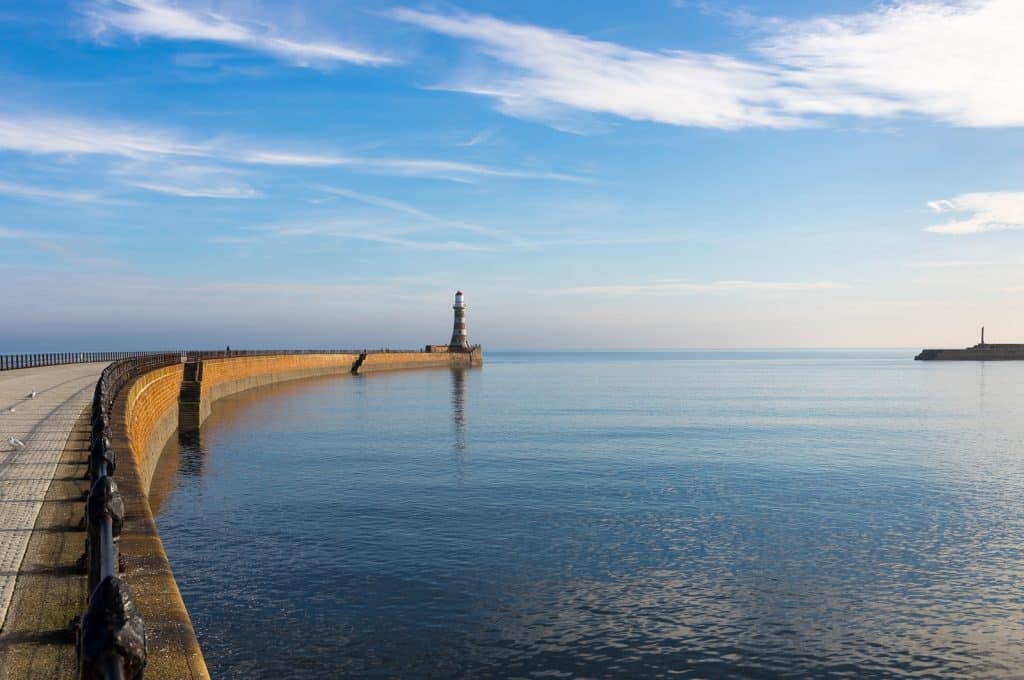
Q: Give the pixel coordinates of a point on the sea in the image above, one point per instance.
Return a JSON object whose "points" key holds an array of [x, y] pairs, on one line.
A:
{"points": [[693, 514]]}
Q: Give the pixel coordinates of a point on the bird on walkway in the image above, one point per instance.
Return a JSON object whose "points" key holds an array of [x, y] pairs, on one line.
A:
{"points": [[31, 395], [12, 409], [15, 443]]}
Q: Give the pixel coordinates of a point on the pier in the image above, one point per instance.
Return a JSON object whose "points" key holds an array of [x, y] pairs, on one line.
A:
{"points": [[70, 427], [86, 590]]}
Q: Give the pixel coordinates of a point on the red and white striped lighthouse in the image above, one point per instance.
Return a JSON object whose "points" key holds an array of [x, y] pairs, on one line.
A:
{"points": [[460, 340]]}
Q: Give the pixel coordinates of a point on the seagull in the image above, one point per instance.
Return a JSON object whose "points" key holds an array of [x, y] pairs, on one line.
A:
{"points": [[15, 443], [31, 395], [11, 409]]}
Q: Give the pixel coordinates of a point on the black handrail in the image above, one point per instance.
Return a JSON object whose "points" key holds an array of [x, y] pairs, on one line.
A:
{"points": [[9, 362], [111, 641]]}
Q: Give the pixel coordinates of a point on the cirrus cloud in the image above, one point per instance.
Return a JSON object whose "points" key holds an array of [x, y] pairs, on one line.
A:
{"points": [[956, 61], [677, 287], [991, 211], [41, 133], [161, 19]]}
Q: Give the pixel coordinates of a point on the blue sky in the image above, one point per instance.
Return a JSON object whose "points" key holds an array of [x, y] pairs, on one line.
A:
{"points": [[654, 174]]}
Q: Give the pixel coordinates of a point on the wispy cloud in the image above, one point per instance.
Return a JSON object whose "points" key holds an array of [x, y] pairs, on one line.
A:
{"points": [[479, 138], [57, 246], [992, 211], [48, 194], [407, 209], [186, 180], [160, 19], [881, 63], [43, 134], [676, 287], [418, 167], [18, 234], [546, 73], [361, 231], [222, 191], [958, 61], [40, 133], [449, 245]]}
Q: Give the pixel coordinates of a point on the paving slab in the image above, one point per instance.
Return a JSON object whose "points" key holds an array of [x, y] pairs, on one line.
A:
{"points": [[36, 642], [43, 424]]}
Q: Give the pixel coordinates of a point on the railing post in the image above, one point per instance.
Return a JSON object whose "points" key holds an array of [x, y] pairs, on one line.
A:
{"points": [[104, 514], [112, 640]]}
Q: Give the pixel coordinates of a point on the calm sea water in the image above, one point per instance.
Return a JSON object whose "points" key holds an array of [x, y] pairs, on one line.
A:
{"points": [[695, 514]]}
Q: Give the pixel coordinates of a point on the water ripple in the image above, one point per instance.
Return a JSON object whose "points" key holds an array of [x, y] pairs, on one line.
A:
{"points": [[610, 516]]}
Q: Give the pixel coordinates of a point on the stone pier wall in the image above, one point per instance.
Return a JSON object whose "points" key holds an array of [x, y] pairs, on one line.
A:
{"points": [[391, 361], [151, 417], [224, 377]]}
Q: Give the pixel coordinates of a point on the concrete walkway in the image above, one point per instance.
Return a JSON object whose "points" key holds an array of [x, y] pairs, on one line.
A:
{"points": [[43, 424]]}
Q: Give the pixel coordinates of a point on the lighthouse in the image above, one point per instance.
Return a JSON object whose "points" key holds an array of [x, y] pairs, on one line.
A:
{"points": [[460, 340]]}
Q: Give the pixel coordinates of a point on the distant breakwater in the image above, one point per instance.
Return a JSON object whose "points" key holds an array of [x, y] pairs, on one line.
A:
{"points": [[979, 352]]}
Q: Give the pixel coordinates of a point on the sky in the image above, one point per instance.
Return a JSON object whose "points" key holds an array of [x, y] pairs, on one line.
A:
{"points": [[594, 175]]}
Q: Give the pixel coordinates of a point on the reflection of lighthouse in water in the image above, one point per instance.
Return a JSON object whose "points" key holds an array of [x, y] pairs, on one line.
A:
{"points": [[460, 340], [459, 409]]}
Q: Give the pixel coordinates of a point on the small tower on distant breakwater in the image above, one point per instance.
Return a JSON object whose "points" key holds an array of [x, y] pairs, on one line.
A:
{"points": [[460, 340]]}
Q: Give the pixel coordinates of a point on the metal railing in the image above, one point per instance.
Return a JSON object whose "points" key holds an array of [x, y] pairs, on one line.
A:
{"points": [[111, 635], [10, 362]]}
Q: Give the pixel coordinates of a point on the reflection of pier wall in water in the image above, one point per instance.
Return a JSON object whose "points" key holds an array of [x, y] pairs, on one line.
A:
{"points": [[213, 379], [146, 416], [186, 453]]}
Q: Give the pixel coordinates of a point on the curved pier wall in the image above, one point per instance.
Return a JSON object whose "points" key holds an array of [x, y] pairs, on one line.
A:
{"points": [[391, 361], [145, 417], [152, 406], [151, 416], [224, 377]]}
